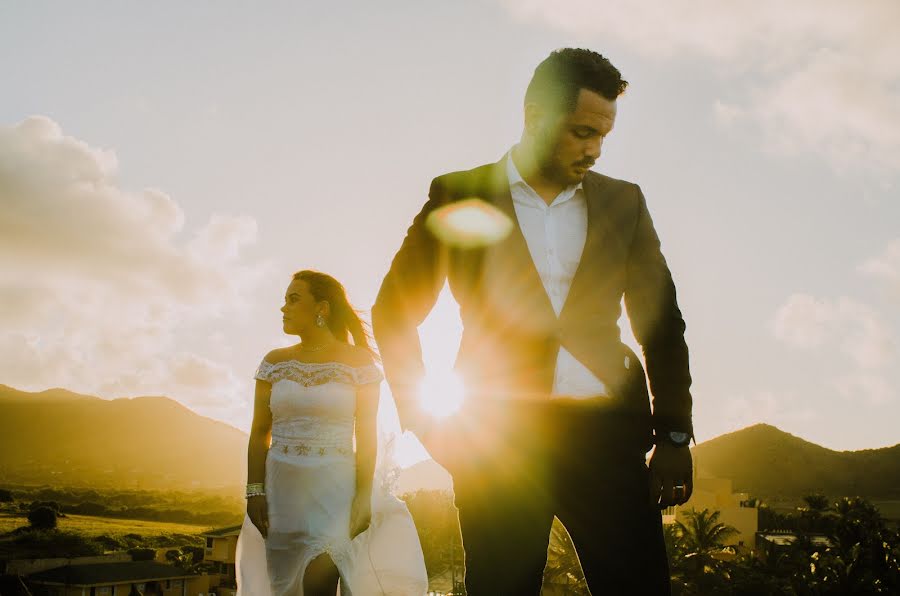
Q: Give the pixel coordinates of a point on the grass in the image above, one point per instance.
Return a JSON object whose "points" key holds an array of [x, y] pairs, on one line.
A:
{"points": [[98, 526]]}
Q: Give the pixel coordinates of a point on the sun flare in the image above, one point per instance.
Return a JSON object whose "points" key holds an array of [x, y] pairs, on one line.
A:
{"points": [[441, 393]]}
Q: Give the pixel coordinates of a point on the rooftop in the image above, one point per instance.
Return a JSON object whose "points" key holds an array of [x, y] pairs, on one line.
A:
{"points": [[222, 532], [109, 573]]}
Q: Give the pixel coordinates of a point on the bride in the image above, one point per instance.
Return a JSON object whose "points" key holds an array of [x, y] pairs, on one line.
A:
{"points": [[316, 515]]}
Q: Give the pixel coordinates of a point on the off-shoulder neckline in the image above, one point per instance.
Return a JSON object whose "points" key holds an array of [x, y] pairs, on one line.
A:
{"points": [[328, 363]]}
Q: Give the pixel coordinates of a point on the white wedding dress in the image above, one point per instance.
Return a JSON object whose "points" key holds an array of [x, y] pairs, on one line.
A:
{"points": [[310, 483]]}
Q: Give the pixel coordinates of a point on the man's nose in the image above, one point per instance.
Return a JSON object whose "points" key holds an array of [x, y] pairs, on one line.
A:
{"points": [[593, 148]]}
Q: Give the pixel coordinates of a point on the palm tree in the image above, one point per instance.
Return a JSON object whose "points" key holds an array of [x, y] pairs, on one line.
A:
{"points": [[813, 515], [704, 534], [701, 539], [563, 566]]}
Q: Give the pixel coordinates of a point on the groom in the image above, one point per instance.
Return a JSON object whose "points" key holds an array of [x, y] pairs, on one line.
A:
{"points": [[557, 418]]}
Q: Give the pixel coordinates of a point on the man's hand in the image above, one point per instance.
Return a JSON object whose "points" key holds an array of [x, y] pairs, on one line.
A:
{"points": [[671, 477]]}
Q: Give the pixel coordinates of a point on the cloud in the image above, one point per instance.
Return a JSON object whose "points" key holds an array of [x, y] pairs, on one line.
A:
{"points": [[99, 283], [855, 332], [885, 267], [816, 76], [873, 386], [741, 411], [804, 321]]}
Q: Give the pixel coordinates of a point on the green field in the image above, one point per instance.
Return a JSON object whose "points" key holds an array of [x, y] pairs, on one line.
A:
{"points": [[97, 526]]}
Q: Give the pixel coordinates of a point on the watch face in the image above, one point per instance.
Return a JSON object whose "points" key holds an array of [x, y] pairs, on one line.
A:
{"points": [[679, 438]]}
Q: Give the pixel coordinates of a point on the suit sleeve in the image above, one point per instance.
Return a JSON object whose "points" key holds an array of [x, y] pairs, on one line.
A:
{"points": [[408, 293], [658, 326]]}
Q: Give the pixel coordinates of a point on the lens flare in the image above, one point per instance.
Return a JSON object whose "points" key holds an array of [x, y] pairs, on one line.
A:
{"points": [[469, 223], [441, 393]]}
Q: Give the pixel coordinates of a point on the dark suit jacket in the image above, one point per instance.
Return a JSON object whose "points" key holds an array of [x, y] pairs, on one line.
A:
{"points": [[511, 333]]}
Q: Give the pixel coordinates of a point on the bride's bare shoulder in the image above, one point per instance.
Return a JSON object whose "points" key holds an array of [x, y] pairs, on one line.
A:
{"points": [[280, 355], [356, 356]]}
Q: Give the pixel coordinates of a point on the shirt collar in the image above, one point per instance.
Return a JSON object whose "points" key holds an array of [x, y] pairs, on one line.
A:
{"points": [[516, 180]]}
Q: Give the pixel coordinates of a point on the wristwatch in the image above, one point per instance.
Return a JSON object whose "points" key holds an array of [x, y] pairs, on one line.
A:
{"points": [[675, 438]]}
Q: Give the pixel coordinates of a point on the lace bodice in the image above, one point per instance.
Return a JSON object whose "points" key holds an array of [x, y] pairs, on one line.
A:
{"points": [[317, 373], [313, 406]]}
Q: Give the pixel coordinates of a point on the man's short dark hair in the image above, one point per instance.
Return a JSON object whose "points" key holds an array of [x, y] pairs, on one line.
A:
{"points": [[564, 73]]}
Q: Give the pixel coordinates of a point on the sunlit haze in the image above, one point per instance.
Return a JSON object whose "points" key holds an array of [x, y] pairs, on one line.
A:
{"points": [[165, 167]]}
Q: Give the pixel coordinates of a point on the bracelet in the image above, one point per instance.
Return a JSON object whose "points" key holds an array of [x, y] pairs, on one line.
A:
{"points": [[255, 489]]}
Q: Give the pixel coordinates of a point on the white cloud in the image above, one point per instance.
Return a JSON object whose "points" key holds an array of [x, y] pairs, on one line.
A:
{"points": [[820, 76], [856, 334], [886, 266], [873, 387], [804, 321], [98, 284], [741, 411]]}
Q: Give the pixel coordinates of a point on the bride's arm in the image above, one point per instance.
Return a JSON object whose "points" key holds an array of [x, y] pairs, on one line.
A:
{"points": [[260, 434], [257, 448], [366, 439], [366, 451]]}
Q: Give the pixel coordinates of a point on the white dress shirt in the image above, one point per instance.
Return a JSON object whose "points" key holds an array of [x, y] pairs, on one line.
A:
{"points": [[555, 235]]}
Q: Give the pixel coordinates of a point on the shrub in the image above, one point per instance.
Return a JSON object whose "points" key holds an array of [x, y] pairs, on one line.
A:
{"points": [[142, 554], [42, 518]]}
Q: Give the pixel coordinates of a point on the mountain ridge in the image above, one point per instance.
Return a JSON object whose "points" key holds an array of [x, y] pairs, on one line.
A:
{"points": [[60, 437]]}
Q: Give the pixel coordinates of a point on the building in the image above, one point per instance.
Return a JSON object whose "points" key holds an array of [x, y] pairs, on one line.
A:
{"points": [[118, 579], [735, 509], [774, 543], [221, 546]]}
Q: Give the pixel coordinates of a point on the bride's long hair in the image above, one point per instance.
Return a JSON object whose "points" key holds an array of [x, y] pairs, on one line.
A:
{"points": [[345, 322]]}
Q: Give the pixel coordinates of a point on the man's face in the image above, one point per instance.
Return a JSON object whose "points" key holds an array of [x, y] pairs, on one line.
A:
{"points": [[567, 145]]}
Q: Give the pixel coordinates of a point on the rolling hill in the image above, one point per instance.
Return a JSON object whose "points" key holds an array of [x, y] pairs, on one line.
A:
{"points": [[773, 464], [62, 438]]}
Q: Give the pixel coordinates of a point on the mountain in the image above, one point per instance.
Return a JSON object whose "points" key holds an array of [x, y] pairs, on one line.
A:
{"points": [[66, 439], [770, 463], [62, 438]]}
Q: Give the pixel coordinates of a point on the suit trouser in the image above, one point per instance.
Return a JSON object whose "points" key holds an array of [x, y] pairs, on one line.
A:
{"points": [[515, 466]]}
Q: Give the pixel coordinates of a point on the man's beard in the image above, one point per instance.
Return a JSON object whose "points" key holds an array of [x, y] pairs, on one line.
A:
{"points": [[550, 167], [547, 164]]}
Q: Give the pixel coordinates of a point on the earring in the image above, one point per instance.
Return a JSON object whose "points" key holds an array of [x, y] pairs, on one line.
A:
{"points": [[320, 320]]}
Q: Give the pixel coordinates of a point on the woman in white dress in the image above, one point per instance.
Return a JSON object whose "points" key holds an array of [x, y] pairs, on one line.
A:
{"points": [[310, 521]]}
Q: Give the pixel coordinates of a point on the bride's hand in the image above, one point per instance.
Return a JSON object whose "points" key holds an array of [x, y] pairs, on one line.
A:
{"points": [[360, 514], [258, 512]]}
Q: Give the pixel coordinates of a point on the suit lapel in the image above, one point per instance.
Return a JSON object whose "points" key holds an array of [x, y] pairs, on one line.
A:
{"points": [[509, 262], [597, 230]]}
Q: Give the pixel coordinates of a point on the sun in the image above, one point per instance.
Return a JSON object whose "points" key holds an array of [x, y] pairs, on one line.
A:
{"points": [[441, 392]]}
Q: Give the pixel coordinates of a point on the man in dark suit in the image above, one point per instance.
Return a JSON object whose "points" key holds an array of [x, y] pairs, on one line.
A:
{"points": [[557, 418]]}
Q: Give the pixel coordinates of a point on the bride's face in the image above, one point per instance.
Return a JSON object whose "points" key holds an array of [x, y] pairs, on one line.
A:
{"points": [[300, 308]]}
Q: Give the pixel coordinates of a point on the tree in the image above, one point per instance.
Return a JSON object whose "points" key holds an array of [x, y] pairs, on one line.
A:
{"points": [[864, 557], [54, 505], [704, 534], [437, 524], [563, 566], [813, 515], [142, 554], [42, 518], [701, 541]]}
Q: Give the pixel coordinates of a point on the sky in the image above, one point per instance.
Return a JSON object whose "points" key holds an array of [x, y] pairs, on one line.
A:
{"points": [[165, 168]]}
